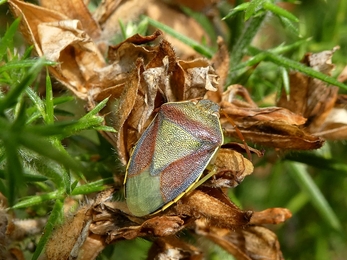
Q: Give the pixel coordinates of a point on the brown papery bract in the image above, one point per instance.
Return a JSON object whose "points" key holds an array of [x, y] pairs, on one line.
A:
{"points": [[316, 100]]}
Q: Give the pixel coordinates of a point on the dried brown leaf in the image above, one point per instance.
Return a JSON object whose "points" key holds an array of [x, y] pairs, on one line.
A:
{"points": [[105, 10], [249, 116], [310, 97], [272, 126], [238, 90], [32, 16], [261, 243], [92, 247], [220, 63], [321, 61], [129, 50], [199, 77], [63, 40], [278, 135], [122, 115], [270, 216], [113, 225], [335, 124], [232, 168], [252, 242], [75, 9], [214, 207]]}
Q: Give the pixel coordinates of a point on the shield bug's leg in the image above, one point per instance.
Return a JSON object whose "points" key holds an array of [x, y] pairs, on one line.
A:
{"points": [[212, 172]]}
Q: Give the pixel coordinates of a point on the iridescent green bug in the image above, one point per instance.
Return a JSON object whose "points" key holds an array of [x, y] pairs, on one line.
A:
{"points": [[171, 155]]}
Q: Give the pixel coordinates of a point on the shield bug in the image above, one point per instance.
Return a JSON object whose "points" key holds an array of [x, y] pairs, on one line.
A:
{"points": [[171, 155]]}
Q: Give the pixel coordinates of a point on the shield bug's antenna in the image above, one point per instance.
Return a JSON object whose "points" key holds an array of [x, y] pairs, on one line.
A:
{"points": [[239, 134]]}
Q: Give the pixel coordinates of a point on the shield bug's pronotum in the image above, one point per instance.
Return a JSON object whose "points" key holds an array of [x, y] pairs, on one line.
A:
{"points": [[171, 155]]}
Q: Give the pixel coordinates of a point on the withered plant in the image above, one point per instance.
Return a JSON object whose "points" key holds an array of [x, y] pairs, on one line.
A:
{"points": [[122, 86]]}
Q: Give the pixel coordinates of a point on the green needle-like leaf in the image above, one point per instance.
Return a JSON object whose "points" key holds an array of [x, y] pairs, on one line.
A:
{"points": [[280, 11], [92, 187], [44, 147], [11, 98], [254, 5], [301, 176], [237, 9], [7, 40], [55, 217], [38, 199]]}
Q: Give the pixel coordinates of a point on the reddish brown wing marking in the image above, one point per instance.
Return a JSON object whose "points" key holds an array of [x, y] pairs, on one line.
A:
{"points": [[198, 124], [179, 175], [143, 152]]}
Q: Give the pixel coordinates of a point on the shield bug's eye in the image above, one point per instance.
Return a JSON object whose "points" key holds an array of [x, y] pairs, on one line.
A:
{"points": [[171, 155]]}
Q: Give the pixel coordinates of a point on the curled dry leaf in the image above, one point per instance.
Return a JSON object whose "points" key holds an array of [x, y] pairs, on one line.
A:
{"points": [[315, 100], [343, 75], [105, 10], [251, 242], [335, 124], [272, 126], [270, 216], [221, 63], [91, 248], [213, 206], [75, 10], [232, 168], [109, 14], [63, 40]]}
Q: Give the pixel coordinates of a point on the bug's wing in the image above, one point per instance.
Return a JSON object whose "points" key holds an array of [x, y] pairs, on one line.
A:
{"points": [[179, 159], [142, 154], [147, 192], [141, 188], [143, 193], [179, 176]]}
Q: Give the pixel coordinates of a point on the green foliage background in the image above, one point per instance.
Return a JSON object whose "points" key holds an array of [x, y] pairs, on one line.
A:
{"points": [[48, 144]]}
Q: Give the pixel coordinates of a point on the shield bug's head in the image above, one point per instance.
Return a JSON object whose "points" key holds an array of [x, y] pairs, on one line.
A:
{"points": [[208, 106], [171, 155]]}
